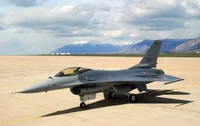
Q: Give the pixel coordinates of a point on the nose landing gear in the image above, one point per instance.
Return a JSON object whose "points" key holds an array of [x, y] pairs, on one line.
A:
{"points": [[83, 105], [84, 98]]}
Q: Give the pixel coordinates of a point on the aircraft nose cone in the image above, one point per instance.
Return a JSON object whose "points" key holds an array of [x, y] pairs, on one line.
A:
{"points": [[39, 87]]}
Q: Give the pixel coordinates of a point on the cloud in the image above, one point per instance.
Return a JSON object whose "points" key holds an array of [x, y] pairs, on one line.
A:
{"points": [[23, 3], [40, 18], [39, 29], [67, 21], [1, 28], [103, 7], [158, 14]]}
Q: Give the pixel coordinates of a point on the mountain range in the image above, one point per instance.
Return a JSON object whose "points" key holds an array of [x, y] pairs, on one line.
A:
{"points": [[95, 47], [168, 45], [192, 45]]}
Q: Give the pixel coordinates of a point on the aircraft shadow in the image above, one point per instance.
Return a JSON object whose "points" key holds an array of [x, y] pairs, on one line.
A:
{"points": [[149, 97]]}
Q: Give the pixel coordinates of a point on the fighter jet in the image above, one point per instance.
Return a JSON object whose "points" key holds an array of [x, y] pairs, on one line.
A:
{"points": [[86, 82]]}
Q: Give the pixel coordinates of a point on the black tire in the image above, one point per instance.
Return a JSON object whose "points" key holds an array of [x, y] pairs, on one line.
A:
{"points": [[82, 105], [132, 98], [111, 95]]}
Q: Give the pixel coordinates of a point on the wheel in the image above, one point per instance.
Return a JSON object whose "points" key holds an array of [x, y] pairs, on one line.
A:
{"points": [[132, 98], [111, 94], [82, 105]]}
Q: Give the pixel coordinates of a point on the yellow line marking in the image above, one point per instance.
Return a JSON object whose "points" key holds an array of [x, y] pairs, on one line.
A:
{"points": [[35, 117], [187, 86], [20, 120]]}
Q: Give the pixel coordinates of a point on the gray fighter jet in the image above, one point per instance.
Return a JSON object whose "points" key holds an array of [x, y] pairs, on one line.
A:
{"points": [[86, 82]]}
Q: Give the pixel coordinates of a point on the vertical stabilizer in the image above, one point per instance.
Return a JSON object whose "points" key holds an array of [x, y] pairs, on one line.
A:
{"points": [[150, 58]]}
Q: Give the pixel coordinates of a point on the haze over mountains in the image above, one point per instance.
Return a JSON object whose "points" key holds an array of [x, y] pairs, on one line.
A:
{"points": [[169, 45]]}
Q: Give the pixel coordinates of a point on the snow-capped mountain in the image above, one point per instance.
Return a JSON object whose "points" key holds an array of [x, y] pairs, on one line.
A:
{"points": [[93, 47], [96, 47]]}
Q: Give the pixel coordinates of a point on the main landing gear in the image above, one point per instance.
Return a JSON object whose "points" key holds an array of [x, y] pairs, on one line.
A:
{"points": [[132, 98], [111, 95]]}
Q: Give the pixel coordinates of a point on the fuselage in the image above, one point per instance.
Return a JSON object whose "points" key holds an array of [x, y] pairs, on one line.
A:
{"points": [[92, 77]]}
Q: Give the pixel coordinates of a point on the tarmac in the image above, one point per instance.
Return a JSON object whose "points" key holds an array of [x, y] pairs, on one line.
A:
{"points": [[173, 104]]}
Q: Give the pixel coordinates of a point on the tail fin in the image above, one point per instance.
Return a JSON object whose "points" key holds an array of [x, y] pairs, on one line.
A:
{"points": [[150, 58]]}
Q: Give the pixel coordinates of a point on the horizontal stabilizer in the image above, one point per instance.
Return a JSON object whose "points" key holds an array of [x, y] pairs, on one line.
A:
{"points": [[169, 82], [169, 79]]}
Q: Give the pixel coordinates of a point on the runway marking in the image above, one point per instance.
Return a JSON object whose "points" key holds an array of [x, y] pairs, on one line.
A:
{"points": [[187, 86], [35, 117], [19, 120]]}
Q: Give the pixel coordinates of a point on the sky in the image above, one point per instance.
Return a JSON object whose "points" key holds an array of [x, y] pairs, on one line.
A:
{"points": [[41, 26]]}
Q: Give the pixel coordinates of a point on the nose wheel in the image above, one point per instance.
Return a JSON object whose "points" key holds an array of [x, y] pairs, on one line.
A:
{"points": [[83, 105]]}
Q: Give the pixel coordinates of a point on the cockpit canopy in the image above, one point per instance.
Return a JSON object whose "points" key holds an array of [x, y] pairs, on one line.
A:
{"points": [[71, 71]]}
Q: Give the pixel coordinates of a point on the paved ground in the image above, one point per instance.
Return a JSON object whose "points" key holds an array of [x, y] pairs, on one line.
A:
{"points": [[174, 104]]}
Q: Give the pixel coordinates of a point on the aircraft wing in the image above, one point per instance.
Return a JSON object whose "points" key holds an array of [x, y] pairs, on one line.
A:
{"points": [[162, 78], [140, 78]]}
